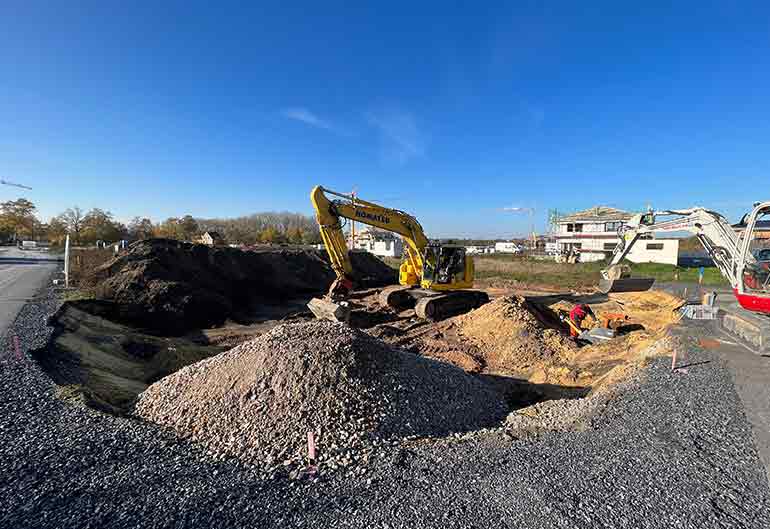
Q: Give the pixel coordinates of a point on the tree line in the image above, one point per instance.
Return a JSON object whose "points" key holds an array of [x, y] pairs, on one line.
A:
{"points": [[19, 221]]}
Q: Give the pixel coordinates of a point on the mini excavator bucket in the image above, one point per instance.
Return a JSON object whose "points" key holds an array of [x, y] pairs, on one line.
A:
{"points": [[618, 279]]}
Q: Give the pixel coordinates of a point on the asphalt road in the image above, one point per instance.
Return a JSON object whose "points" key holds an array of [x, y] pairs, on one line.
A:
{"points": [[22, 273]]}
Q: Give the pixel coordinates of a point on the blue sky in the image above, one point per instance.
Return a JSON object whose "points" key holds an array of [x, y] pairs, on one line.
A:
{"points": [[451, 112]]}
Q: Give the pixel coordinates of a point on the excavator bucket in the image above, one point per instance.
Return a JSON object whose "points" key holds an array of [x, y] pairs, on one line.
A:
{"points": [[325, 309], [618, 278], [628, 284]]}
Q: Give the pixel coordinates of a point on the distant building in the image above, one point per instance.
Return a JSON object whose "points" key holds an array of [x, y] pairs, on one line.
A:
{"points": [[761, 229], [378, 242], [211, 238], [593, 233], [507, 247]]}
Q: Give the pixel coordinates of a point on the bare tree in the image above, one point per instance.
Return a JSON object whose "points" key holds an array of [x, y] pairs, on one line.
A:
{"points": [[140, 228], [72, 218]]}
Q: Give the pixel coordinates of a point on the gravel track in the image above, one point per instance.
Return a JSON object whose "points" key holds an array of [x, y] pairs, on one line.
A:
{"points": [[671, 451]]}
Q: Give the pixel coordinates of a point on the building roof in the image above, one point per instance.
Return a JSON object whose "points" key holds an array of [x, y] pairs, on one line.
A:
{"points": [[213, 234], [596, 214]]}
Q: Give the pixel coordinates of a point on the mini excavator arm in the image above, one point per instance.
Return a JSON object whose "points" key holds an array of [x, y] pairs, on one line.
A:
{"points": [[328, 213], [712, 229]]}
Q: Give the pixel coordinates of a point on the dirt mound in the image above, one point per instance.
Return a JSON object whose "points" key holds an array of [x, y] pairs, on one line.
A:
{"points": [[171, 286], [511, 336], [259, 400]]}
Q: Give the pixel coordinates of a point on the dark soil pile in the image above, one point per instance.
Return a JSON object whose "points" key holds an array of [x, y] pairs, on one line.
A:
{"points": [[170, 286], [259, 400]]}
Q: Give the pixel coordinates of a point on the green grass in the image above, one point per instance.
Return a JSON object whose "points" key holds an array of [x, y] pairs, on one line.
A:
{"points": [[581, 275], [573, 276], [662, 272], [76, 294]]}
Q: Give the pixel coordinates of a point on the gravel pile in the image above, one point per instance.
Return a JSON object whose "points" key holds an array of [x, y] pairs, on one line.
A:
{"points": [[259, 400]]}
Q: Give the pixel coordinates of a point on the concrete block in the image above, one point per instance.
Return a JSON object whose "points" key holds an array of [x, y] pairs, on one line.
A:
{"points": [[751, 328]]}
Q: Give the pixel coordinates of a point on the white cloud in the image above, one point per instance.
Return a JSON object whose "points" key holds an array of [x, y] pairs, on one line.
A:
{"points": [[308, 118], [400, 137]]}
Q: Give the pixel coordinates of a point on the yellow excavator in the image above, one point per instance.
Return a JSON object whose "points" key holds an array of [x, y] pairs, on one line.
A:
{"points": [[435, 279]]}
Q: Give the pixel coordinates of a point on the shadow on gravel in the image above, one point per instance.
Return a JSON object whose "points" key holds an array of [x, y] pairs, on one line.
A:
{"points": [[693, 364], [520, 393], [105, 364]]}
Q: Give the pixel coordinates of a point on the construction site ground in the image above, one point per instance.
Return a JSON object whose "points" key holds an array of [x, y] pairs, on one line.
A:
{"points": [[488, 419]]}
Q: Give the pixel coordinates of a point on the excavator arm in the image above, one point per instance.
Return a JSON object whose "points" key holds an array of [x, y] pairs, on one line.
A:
{"points": [[328, 214], [712, 229]]}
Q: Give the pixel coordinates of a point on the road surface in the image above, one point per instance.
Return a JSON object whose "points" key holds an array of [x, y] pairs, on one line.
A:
{"points": [[22, 273]]}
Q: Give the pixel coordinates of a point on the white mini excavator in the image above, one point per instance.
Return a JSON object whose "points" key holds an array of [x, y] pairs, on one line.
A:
{"points": [[736, 252]]}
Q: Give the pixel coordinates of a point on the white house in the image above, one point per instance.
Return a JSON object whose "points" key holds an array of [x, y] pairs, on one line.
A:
{"points": [[507, 247], [382, 243], [664, 251], [593, 233]]}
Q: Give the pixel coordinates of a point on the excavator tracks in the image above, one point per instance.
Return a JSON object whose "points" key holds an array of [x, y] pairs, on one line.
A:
{"points": [[432, 305], [445, 305]]}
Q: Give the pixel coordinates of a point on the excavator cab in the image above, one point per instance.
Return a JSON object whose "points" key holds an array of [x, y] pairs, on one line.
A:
{"points": [[446, 266], [753, 290]]}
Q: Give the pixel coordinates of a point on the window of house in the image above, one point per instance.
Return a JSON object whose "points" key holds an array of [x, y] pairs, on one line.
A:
{"points": [[578, 227], [612, 226], [654, 245], [609, 246]]}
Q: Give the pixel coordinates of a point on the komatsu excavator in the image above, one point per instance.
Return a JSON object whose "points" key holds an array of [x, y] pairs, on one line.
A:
{"points": [[433, 278], [730, 250]]}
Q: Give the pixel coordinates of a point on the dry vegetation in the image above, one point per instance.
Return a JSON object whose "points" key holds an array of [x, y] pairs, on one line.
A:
{"points": [[84, 261]]}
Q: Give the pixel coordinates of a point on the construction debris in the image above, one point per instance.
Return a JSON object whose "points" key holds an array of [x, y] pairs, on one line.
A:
{"points": [[699, 312], [355, 392]]}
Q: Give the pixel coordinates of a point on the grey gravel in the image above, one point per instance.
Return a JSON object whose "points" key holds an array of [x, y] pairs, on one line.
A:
{"points": [[259, 400], [671, 450]]}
